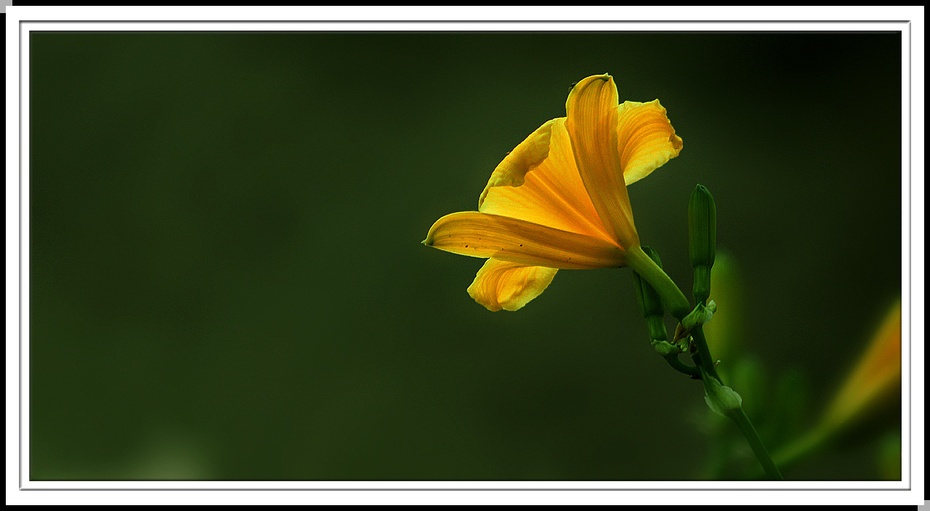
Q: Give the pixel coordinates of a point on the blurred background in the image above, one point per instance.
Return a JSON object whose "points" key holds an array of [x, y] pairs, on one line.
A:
{"points": [[227, 280]]}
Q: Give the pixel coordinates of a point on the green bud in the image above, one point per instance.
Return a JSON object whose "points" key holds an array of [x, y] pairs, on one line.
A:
{"points": [[701, 289], [702, 227], [657, 330], [702, 239], [720, 398], [649, 301]]}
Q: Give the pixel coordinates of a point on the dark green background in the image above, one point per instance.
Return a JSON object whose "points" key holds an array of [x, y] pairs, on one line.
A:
{"points": [[227, 281]]}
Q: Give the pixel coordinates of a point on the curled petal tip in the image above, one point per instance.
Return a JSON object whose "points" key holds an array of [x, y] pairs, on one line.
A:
{"points": [[588, 80], [603, 77]]}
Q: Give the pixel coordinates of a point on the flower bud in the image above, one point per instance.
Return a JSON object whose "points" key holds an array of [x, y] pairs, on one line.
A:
{"points": [[702, 239], [650, 303], [657, 330]]}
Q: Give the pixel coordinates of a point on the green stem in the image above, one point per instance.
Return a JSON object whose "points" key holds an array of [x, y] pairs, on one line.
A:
{"points": [[674, 299], [758, 448], [737, 415], [679, 307], [681, 367], [702, 355]]}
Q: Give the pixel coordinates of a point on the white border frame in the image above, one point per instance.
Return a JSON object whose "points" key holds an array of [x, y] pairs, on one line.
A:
{"points": [[22, 20]]}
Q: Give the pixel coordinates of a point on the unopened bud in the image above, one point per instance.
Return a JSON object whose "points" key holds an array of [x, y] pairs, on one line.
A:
{"points": [[702, 239], [649, 300], [650, 303], [656, 326]]}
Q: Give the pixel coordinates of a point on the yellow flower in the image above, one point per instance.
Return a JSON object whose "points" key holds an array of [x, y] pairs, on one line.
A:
{"points": [[876, 377], [559, 199], [874, 380]]}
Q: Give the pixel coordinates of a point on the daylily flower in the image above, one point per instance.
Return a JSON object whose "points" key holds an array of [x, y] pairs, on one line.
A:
{"points": [[872, 383], [559, 199], [875, 378]]}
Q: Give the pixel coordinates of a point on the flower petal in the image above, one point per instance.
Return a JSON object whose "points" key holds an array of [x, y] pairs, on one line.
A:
{"points": [[546, 191], [876, 376], [509, 286], [478, 234], [592, 126], [645, 139], [525, 157]]}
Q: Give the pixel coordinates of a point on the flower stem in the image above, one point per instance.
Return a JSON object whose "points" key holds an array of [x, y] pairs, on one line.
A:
{"points": [[704, 360], [758, 448], [674, 299], [702, 355], [681, 367], [676, 303]]}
